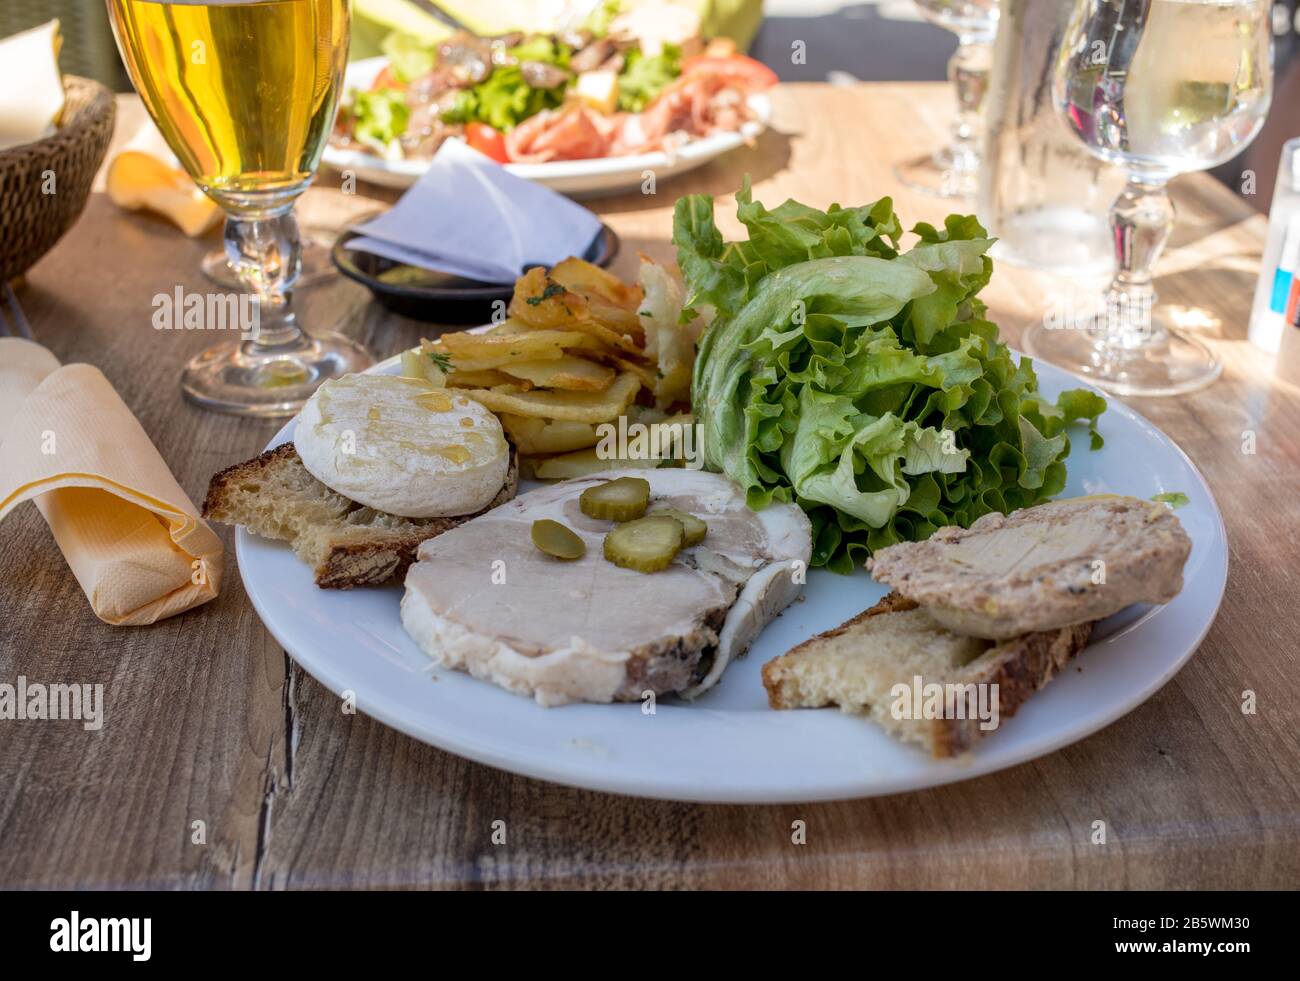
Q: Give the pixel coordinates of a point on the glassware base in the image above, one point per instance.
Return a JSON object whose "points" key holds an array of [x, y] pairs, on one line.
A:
{"points": [[1170, 362], [242, 379], [936, 175], [316, 264]]}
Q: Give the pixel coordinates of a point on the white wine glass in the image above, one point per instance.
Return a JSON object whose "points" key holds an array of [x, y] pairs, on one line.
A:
{"points": [[953, 170], [244, 92], [1161, 88]]}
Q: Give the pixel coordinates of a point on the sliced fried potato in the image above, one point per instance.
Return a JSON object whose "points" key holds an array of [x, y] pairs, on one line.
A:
{"points": [[539, 301], [609, 338], [478, 352], [582, 463], [583, 277], [533, 436], [554, 404], [568, 372], [610, 301], [647, 374], [480, 378], [522, 345]]}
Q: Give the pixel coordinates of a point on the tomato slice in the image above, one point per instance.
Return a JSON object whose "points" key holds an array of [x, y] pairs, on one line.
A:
{"points": [[749, 72], [488, 141], [386, 79]]}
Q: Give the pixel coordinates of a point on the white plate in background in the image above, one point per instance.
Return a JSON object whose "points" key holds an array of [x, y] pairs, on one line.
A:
{"points": [[577, 178]]}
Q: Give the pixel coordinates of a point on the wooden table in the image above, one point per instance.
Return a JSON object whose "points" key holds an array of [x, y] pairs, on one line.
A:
{"points": [[208, 719]]}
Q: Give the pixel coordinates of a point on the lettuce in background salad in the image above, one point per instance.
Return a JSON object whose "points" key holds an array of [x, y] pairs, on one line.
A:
{"points": [[863, 382]]}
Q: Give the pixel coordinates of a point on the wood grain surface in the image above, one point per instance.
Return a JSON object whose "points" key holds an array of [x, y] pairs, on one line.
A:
{"points": [[208, 720]]}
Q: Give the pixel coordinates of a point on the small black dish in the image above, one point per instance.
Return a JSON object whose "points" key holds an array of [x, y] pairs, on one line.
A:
{"points": [[435, 297]]}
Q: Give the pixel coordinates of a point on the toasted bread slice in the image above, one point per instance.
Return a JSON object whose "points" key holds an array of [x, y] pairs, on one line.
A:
{"points": [[346, 543], [857, 665]]}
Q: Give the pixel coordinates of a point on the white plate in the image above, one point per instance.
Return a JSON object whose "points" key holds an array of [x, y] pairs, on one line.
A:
{"points": [[729, 746], [577, 178]]}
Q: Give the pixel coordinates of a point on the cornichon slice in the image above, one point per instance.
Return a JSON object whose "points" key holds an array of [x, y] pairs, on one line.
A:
{"points": [[616, 500], [558, 541], [695, 527], [645, 544]]}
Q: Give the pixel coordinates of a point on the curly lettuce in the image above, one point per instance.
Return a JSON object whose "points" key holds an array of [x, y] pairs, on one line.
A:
{"points": [[861, 381]]}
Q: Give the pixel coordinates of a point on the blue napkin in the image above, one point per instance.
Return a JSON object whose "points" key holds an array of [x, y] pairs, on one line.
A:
{"points": [[469, 216]]}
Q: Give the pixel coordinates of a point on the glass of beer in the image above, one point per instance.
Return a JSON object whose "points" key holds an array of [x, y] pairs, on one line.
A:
{"points": [[244, 92], [1161, 88]]}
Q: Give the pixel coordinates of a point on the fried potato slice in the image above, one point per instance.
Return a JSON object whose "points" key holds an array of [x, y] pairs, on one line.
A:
{"points": [[554, 404], [647, 374], [568, 372], [580, 276], [523, 345], [539, 301], [609, 338], [481, 378], [533, 436], [610, 301]]}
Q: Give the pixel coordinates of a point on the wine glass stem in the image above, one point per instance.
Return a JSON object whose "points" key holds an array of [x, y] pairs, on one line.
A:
{"points": [[968, 70], [266, 254], [1140, 221]]}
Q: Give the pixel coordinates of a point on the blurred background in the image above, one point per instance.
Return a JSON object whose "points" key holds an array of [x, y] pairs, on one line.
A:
{"points": [[876, 40]]}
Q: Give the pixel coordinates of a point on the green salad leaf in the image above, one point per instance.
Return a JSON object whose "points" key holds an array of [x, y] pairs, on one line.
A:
{"points": [[381, 116], [408, 56], [505, 99], [861, 381], [643, 78], [1175, 499]]}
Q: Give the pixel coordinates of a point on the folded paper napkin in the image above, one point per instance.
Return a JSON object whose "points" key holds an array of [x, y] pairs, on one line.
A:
{"points": [[469, 216], [31, 87], [144, 173], [131, 536]]}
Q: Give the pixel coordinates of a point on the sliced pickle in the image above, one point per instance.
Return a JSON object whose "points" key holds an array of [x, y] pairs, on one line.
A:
{"points": [[558, 541], [695, 527], [646, 544], [616, 500]]}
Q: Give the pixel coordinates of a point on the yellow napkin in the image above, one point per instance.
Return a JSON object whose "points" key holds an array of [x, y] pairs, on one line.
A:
{"points": [[130, 534], [31, 88], [146, 174]]}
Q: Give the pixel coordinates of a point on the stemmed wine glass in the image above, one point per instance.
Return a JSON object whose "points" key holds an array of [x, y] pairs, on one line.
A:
{"points": [[245, 94], [953, 170], [1160, 87]]}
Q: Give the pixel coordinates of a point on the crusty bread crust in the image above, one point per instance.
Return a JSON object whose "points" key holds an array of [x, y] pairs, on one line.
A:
{"points": [[346, 544], [1022, 665], [1019, 667]]}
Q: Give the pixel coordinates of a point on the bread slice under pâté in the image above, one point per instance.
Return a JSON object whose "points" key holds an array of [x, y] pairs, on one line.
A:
{"points": [[857, 664]]}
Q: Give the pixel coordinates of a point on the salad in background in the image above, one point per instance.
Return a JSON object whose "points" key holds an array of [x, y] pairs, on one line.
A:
{"points": [[621, 84]]}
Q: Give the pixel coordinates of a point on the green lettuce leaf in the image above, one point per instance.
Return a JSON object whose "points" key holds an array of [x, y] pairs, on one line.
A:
{"points": [[643, 78], [863, 382], [381, 116]]}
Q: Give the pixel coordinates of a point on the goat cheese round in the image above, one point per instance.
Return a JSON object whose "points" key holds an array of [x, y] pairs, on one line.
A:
{"points": [[402, 446]]}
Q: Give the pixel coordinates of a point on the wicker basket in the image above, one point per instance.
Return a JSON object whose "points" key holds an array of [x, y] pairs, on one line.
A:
{"points": [[31, 218]]}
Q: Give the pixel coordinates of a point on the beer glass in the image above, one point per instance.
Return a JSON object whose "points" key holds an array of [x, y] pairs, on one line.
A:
{"points": [[244, 92]]}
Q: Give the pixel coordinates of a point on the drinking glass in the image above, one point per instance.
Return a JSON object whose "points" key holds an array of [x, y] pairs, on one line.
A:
{"points": [[953, 170], [1160, 87], [244, 92]]}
